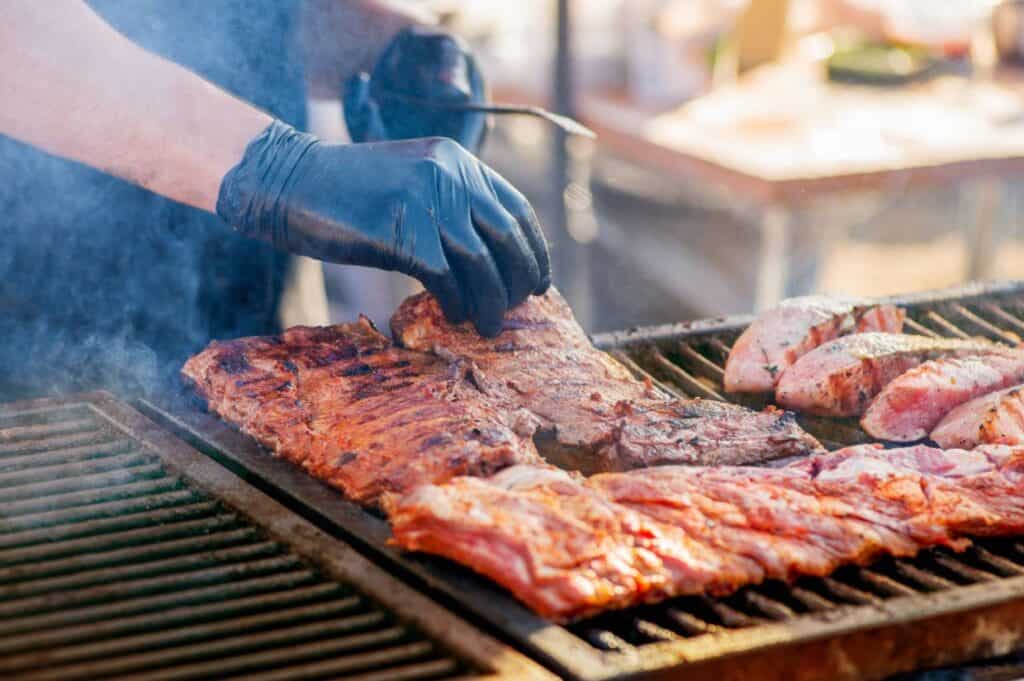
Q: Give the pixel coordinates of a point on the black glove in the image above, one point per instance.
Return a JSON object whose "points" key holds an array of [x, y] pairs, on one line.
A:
{"points": [[419, 64], [425, 207]]}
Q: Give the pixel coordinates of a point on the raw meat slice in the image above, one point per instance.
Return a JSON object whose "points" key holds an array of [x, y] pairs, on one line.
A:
{"points": [[841, 377], [780, 336], [996, 418], [911, 405]]}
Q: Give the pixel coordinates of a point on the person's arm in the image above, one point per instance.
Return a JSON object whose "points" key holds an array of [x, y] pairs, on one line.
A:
{"points": [[343, 37], [73, 86]]}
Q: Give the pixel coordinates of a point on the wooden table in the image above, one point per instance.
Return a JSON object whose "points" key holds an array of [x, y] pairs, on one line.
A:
{"points": [[783, 136]]}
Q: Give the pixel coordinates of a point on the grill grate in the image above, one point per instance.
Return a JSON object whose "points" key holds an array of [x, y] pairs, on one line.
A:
{"points": [[113, 565]]}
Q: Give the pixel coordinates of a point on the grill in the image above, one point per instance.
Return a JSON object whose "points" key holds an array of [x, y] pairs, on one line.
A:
{"points": [[126, 554], [893, 616]]}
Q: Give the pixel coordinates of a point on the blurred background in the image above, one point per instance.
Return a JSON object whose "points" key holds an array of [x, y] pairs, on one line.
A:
{"points": [[747, 150]]}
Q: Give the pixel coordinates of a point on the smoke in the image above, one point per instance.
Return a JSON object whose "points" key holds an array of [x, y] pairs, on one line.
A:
{"points": [[105, 285]]}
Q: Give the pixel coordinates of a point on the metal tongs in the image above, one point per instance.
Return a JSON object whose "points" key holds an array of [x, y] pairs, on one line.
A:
{"points": [[569, 125]]}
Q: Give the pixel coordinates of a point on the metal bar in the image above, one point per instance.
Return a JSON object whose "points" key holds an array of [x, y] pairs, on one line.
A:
{"points": [[316, 597], [51, 457], [77, 562], [46, 430], [123, 514], [190, 597], [1005, 336], [200, 631], [144, 572], [885, 584], [680, 377], [39, 490], [75, 470], [1003, 315], [947, 325], [918, 328], [691, 624], [653, 631], [145, 587], [705, 366], [195, 661], [642, 374], [92, 496]]}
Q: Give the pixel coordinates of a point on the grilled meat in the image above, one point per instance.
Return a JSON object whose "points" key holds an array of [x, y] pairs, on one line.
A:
{"points": [[996, 418], [357, 412], [841, 377], [594, 415], [911, 405], [783, 334], [569, 547]]}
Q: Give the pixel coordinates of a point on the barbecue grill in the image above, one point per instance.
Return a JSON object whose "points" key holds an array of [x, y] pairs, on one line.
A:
{"points": [[96, 471]]}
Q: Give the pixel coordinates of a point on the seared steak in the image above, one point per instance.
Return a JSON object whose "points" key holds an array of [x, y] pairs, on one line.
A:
{"points": [[841, 377], [996, 418], [569, 547], [780, 336], [357, 412], [911, 405], [594, 415]]}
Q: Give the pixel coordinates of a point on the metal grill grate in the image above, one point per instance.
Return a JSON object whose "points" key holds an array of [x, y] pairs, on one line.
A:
{"points": [[112, 566]]}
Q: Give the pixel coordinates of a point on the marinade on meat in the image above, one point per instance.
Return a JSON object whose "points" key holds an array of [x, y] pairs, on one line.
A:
{"points": [[780, 336], [570, 547], [841, 377], [357, 412], [912, 404], [593, 414]]}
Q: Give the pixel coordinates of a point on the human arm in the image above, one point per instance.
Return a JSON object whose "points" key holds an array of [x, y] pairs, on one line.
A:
{"points": [[73, 86]]}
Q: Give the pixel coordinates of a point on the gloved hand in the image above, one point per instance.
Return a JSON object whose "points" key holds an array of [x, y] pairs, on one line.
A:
{"points": [[425, 64], [424, 207]]}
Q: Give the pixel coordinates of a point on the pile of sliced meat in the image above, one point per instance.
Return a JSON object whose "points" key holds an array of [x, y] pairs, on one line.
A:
{"points": [[370, 417], [569, 546], [847, 359]]}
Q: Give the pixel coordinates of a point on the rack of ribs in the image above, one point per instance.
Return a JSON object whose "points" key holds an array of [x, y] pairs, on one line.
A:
{"points": [[359, 413], [569, 547], [594, 415]]}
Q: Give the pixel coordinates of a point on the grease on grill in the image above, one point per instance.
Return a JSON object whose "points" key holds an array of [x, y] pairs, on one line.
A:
{"points": [[111, 566]]}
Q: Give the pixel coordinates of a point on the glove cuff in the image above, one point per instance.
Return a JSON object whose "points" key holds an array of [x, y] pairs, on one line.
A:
{"points": [[250, 193]]}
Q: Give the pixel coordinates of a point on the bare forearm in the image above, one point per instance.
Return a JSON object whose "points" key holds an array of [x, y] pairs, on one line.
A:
{"points": [[74, 87], [342, 37]]}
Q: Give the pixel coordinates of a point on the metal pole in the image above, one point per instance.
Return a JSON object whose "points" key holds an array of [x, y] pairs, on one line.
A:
{"points": [[571, 258]]}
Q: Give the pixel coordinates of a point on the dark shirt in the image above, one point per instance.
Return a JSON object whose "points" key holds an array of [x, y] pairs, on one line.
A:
{"points": [[104, 284]]}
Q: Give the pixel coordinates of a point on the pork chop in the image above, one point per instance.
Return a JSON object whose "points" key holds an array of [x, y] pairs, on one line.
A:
{"points": [[780, 336], [841, 377]]}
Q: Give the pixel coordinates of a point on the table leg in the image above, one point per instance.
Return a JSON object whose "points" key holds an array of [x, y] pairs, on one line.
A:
{"points": [[986, 194], [773, 257]]}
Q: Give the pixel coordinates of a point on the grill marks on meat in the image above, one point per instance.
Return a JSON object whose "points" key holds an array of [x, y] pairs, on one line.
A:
{"points": [[911, 406], [841, 377], [996, 418], [594, 415], [780, 336], [569, 547], [357, 412]]}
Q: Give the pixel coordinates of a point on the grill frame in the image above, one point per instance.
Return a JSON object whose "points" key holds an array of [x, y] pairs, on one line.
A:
{"points": [[898, 634], [438, 629]]}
